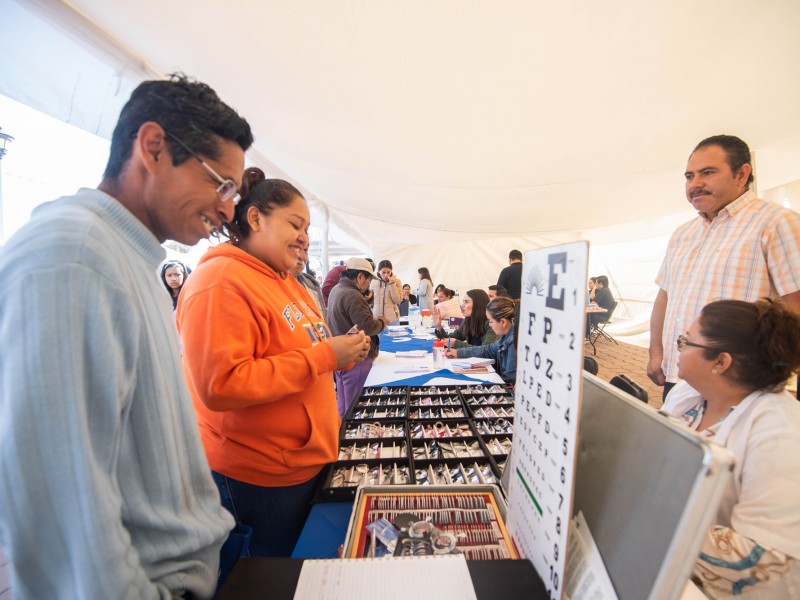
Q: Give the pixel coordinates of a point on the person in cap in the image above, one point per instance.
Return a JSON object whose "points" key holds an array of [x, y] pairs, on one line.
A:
{"points": [[347, 308]]}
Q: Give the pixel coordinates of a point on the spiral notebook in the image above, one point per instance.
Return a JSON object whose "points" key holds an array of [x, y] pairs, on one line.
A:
{"points": [[442, 577]]}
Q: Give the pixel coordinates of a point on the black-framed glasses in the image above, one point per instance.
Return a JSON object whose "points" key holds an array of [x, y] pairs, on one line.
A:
{"points": [[227, 187], [683, 341]]}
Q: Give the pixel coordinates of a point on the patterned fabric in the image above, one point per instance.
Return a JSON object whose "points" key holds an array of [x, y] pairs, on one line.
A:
{"points": [[731, 564], [749, 251], [761, 502]]}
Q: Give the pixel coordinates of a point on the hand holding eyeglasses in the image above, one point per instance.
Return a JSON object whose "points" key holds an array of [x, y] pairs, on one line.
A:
{"points": [[349, 348]]}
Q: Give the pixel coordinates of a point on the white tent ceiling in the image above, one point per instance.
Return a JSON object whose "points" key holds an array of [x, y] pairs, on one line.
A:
{"points": [[422, 126]]}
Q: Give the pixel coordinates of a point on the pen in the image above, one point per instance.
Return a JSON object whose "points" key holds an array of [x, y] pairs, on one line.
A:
{"points": [[448, 346]]}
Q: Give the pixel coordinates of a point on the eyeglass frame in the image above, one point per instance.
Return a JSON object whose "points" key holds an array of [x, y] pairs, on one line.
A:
{"points": [[682, 341], [235, 197]]}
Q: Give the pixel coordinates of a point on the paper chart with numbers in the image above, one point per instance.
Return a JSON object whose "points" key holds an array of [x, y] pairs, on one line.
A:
{"points": [[547, 406]]}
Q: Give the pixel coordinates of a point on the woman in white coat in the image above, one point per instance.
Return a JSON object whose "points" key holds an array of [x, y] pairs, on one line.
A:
{"points": [[425, 290], [734, 362], [387, 293]]}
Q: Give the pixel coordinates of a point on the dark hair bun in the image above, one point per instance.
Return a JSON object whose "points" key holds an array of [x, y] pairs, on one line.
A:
{"points": [[252, 177]]}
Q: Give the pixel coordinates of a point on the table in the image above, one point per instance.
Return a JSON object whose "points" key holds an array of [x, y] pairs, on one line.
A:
{"points": [[276, 578], [385, 369]]}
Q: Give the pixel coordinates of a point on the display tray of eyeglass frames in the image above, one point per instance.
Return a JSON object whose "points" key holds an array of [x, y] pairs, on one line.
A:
{"points": [[469, 520], [370, 453], [420, 435], [483, 405]]}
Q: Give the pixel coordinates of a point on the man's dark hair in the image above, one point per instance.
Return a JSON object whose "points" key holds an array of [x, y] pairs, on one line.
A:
{"points": [[352, 273], [515, 255], [603, 280], [499, 290], [189, 110], [736, 151]]}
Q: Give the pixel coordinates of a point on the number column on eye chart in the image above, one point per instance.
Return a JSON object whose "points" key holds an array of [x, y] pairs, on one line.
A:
{"points": [[547, 404]]}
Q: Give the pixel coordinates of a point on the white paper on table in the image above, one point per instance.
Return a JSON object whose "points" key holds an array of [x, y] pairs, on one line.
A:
{"points": [[413, 367], [401, 339], [443, 577], [410, 353], [586, 576]]}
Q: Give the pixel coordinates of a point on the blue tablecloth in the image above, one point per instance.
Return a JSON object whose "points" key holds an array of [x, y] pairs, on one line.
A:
{"points": [[418, 380], [324, 531], [388, 343]]}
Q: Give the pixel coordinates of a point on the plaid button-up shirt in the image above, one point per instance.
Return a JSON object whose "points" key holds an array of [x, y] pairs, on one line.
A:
{"points": [[750, 250]]}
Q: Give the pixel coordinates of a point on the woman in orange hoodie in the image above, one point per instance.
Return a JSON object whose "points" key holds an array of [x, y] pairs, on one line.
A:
{"points": [[259, 361]]}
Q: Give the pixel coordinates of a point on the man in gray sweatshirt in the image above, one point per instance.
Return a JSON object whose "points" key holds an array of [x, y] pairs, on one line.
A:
{"points": [[104, 488]]}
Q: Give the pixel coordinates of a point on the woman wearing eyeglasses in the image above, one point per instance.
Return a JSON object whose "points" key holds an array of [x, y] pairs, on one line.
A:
{"points": [[259, 361], [734, 363]]}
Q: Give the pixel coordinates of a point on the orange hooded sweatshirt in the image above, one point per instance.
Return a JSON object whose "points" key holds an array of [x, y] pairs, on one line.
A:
{"points": [[260, 377]]}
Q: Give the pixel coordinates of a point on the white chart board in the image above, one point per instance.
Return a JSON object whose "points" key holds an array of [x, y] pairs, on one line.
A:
{"points": [[547, 406]]}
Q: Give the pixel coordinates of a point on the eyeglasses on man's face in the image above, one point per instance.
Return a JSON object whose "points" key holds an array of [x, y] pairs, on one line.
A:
{"points": [[227, 187], [682, 342]]}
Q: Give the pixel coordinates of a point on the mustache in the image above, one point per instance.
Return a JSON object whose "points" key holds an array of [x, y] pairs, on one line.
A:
{"points": [[698, 192]]}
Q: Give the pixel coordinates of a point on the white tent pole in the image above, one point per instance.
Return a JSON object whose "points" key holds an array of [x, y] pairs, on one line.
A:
{"points": [[325, 248]]}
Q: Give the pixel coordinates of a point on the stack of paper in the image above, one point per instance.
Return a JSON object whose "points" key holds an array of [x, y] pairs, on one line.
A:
{"points": [[472, 361], [470, 365], [442, 577]]}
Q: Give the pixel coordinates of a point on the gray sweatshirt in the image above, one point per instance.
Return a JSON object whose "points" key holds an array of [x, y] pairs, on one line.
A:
{"points": [[105, 491]]}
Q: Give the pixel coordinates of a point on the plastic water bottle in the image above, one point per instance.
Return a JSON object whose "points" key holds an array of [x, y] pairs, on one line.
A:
{"points": [[414, 318], [438, 354]]}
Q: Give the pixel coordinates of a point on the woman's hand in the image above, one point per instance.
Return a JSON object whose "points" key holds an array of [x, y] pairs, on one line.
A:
{"points": [[451, 353], [437, 318], [349, 348]]}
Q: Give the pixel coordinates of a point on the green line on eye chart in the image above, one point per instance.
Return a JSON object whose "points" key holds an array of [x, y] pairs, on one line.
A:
{"points": [[530, 493]]}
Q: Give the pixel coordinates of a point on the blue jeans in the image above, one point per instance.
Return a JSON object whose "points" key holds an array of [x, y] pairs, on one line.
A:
{"points": [[276, 514]]}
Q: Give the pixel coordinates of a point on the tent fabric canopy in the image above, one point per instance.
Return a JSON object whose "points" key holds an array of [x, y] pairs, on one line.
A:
{"points": [[444, 134]]}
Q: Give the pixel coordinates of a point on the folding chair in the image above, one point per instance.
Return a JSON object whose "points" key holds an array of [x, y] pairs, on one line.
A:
{"points": [[598, 330]]}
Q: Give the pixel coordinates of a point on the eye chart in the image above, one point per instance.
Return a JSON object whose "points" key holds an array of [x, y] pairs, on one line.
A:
{"points": [[547, 406]]}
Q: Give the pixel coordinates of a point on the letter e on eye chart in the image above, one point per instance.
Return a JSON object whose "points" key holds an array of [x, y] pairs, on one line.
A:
{"points": [[547, 406]]}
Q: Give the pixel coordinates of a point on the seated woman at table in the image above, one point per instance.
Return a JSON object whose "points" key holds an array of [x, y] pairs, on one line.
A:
{"points": [[259, 360], [734, 362], [475, 329], [408, 300], [447, 306], [500, 314]]}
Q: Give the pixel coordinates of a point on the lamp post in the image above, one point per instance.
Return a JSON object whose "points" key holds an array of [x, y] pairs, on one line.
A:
{"points": [[4, 139]]}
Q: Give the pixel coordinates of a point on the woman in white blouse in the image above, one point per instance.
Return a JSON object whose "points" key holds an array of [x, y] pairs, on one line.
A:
{"points": [[425, 289], [734, 362], [447, 306]]}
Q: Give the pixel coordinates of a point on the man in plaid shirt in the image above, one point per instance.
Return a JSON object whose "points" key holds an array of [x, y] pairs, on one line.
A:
{"points": [[739, 247]]}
